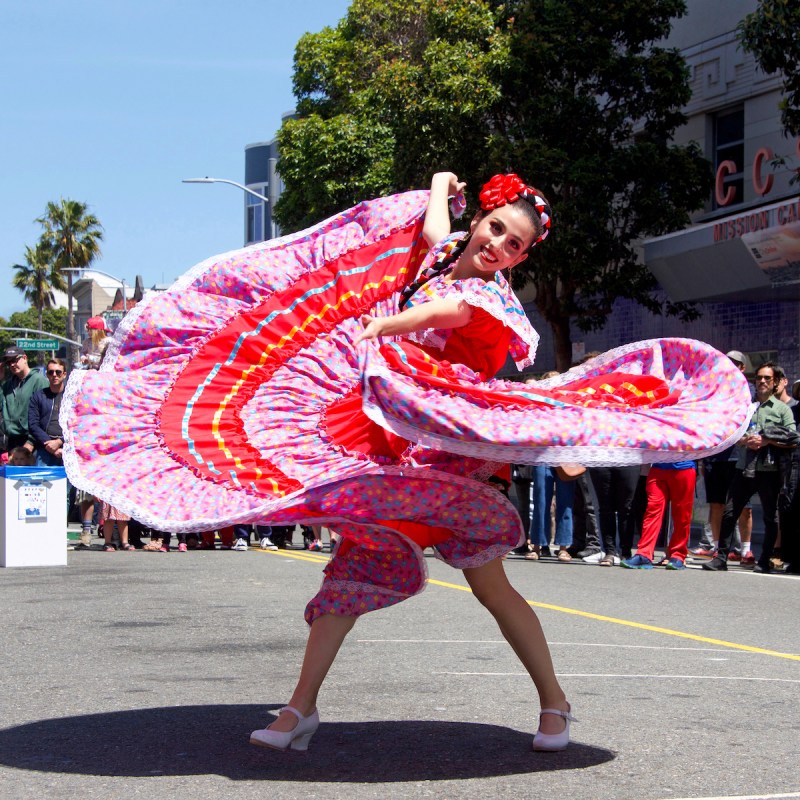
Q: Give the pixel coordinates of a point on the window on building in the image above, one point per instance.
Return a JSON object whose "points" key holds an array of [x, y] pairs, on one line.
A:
{"points": [[255, 215], [728, 151]]}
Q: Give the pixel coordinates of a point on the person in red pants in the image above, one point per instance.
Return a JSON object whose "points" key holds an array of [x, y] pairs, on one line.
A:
{"points": [[673, 483]]}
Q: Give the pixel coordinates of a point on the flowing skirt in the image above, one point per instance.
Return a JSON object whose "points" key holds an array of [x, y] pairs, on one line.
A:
{"points": [[238, 396]]}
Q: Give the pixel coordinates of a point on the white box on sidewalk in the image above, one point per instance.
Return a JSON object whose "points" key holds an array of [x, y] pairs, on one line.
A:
{"points": [[33, 516]]}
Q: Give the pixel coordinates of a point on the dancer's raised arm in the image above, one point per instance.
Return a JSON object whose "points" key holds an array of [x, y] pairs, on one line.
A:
{"points": [[437, 216]]}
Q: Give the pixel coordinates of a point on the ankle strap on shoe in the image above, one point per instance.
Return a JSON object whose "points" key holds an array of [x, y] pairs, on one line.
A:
{"points": [[558, 713], [293, 711]]}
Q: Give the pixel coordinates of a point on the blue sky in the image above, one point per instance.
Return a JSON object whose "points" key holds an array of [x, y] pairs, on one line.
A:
{"points": [[113, 103]]}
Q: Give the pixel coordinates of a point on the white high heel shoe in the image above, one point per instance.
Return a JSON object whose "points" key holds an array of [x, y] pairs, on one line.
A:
{"points": [[553, 742], [296, 739]]}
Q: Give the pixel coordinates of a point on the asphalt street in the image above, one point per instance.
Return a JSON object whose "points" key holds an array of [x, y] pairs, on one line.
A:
{"points": [[141, 675]]}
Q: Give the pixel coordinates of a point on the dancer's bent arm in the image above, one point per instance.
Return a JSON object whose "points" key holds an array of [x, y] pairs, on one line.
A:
{"points": [[435, 314]]}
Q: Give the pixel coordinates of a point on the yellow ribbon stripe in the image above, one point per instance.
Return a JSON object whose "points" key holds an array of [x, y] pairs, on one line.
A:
{"points": [[268, 350]]}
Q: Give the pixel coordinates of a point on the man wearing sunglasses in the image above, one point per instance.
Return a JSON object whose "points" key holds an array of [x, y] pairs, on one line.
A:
{"points": [[43, 413], [756, 471], [17, 391]]}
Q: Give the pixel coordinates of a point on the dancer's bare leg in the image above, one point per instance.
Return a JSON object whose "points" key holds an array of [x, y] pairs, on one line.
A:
{"points": [[324, 640], [521, 629]]}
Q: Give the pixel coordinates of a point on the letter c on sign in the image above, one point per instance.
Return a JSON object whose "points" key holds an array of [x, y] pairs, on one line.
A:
{"points": [[724, 196], [759, 186]]}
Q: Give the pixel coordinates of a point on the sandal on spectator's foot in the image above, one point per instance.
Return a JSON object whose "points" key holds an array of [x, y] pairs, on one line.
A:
{"points": [[563, 555], [127, 546], [109, 548], [607, 560], [553, 742], [153, 546], [532, 556]]}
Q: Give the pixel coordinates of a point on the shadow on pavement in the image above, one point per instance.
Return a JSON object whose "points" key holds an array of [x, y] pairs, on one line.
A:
{"points": [[213, 739]]}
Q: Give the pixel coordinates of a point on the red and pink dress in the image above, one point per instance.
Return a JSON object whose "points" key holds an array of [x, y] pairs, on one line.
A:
{"points": [[239, 396]]}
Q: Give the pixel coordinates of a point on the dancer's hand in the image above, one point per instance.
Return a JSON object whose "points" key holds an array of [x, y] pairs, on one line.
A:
{"points": [[454, 185], [373, 328]]}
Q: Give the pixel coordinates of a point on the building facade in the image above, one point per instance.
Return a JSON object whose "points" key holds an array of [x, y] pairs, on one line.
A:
{"points": [[740, 258]]}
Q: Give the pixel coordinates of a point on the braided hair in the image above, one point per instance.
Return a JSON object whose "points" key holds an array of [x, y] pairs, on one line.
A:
{"points": [[501, 189]]}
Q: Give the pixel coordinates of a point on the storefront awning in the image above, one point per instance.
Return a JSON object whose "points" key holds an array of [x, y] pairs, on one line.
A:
{"points": [[753, 256]]}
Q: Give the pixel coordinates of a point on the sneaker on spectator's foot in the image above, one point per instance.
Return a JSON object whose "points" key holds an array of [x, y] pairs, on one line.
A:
{"points": [[593, 557], [241, 544], [748, 560], [586, 552], [268, 544], [734, 556], [704, 552], [717, 564], [765, 568], [315, 546], [674, 563], [182, 548], [637, 562]]}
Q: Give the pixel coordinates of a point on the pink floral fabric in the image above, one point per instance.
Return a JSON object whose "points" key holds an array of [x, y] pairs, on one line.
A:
{"points": [[210, 407]]}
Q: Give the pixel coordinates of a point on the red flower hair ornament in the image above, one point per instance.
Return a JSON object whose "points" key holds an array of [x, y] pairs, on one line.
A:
{"points": [[502, 189]]}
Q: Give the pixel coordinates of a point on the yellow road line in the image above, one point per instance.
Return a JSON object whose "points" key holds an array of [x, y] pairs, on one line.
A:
{"points": [[303, 555], [641, 626], [322, 559]]}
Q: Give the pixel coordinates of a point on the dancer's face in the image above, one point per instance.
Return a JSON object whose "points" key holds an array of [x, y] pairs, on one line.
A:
{"points": [[500, 240]]}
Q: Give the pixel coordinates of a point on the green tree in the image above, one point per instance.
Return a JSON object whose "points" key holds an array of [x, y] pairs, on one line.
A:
{"points": [[54, 320], [398, 90], [37, 278], [575, 95], [595, 137], [770, 33], [73, 235]]}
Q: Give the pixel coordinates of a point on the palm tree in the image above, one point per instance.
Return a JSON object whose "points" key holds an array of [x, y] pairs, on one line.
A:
{"points": [[38, 277], [74, 237]]}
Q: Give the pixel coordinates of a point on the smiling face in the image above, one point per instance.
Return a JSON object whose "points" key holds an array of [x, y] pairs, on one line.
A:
{"points": [[500, 240]]}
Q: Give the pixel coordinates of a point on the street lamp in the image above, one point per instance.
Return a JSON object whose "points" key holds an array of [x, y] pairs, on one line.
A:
{"points": [[225, 180], [256, 212]]}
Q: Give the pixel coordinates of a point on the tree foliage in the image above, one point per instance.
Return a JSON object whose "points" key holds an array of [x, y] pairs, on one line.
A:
{"points": [[398, 90], [37, 279], [73, 236], [54, 320], [575, 95], [770, 33]]}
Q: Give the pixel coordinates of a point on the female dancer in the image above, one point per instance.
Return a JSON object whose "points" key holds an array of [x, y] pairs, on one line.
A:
{"points": [[338, 376], [500, 238]]}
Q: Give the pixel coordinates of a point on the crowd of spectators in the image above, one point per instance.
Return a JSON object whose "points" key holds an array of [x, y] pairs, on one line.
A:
{"points": [[618, 515], [607, 515]]}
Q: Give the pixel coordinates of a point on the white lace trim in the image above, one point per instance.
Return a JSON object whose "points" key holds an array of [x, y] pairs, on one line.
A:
{"points": [[588, 456]]}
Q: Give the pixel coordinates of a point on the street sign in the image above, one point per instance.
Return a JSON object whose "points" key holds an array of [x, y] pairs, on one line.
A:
{"points": [[38, 344]]}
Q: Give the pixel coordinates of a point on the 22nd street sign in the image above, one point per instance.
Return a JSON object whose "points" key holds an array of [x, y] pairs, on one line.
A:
{"points": [[37, 344]]}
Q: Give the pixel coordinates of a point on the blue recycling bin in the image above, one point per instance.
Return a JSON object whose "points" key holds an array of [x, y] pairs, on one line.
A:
{"points": [[33, 516]]}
